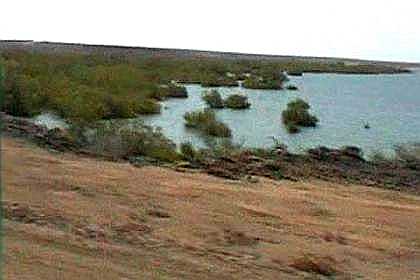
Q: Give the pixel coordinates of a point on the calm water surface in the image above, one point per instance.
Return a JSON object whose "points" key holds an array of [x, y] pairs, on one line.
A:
{"points": [[343, 103]]}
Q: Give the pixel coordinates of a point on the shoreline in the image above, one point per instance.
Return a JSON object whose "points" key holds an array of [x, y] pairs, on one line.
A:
{"points": [[345, 166]]}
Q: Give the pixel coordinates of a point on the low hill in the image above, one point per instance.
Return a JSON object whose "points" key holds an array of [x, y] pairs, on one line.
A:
{"points": [[72, 217], [55, 47]]}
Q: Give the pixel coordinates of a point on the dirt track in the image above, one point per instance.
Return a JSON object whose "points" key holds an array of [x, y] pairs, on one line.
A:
{"points": [[69, 217]]}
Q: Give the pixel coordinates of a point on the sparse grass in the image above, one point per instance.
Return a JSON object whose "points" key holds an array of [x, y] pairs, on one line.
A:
{"points": [[297, 115], [213, 99], [206, 122], [237, 101], [322, 212]]}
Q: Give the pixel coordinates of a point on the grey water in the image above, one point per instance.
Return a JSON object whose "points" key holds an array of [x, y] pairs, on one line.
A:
{"points": [[390, 104]]}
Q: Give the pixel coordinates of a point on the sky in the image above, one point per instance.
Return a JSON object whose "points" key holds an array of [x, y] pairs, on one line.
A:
{"points": [[369, 29]]}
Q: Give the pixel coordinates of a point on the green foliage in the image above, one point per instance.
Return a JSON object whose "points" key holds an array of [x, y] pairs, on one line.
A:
{"points": [[79, 88], [95, 87], [266, 80], [190, 154], [119, 141], [213, 99], [177, 91], [214, 80], [237, 101], [221, 147], [297, 115], [187, 151], [206, 122]]}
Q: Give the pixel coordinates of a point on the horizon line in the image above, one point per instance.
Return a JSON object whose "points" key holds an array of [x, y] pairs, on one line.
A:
{"points": [[213, 51]]}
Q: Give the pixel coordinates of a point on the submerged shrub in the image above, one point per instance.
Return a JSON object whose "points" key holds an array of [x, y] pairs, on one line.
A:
{"points": [[213, 99], [297, 115], [237, 101], [292, 87], [206, 122], [147, 106], [177, 91]]}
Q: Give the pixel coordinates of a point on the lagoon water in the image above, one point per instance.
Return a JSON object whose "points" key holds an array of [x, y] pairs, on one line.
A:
{"points": [[343, 104], [390, 104]]}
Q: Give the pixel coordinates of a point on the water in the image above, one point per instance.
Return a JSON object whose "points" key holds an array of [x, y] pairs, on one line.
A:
{"points": [[343, 104], [50, 120]]}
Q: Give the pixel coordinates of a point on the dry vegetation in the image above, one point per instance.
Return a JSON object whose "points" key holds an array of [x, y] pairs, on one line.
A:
{"points": [[69, 217]]}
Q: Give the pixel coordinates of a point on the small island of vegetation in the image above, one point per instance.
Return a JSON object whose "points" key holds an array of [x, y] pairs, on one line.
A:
{"points": [[206, 122], [237, 102], [213, 99], [297, 115], [267, 78]]}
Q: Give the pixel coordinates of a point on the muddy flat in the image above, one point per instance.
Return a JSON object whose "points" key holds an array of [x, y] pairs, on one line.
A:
{"points": [[71, 217]]}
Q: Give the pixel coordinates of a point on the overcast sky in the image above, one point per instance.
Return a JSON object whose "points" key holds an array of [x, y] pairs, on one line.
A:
{"points": [[369, 29]]}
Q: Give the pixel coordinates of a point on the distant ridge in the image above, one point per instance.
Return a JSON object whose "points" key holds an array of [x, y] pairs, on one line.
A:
{"points": [[131, 51]]}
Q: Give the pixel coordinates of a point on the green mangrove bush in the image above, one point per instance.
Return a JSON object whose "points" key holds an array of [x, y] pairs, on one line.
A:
{"points": [[206, 122], [177, 91], [125, 141], [213, 99], [267, 79], [237, 101], [76, 87], [217, 80], [296, 115]]}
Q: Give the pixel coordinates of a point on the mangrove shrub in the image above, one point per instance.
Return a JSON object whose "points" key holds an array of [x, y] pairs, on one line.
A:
{"points": [[213, 99], [237, 101], [297, 115], [206, 122]]}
